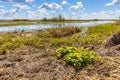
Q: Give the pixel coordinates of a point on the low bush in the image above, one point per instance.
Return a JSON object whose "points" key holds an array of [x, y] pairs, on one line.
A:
{"points": [[118, 22], [64, 31], [61, 52], [77, 57]]}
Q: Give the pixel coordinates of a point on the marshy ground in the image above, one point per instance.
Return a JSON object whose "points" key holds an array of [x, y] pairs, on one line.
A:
{"points": [[31, 55]]}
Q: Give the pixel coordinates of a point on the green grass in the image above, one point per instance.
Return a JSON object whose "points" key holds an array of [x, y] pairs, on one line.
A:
{"points": [[56, 37], [95, 35], [103, 30], [17, 24]]}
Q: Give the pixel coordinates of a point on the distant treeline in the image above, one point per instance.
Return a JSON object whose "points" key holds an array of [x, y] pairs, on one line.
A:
{"points": [[56, 19], [59, 18], [15, 20]]}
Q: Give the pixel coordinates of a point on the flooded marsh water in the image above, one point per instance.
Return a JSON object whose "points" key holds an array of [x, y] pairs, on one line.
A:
{"points": [[50, 25]]}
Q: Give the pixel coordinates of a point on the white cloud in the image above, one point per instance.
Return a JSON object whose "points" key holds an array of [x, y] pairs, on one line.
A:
{"points": [[52, 11], [42, 10], [38, 13], [29, 1], [21, 7], [2, 12], [77, 6], [16, 9], [64, 2], [73, 13], [50, 6], [9, 12], [94, 15], [101, 15], [114, 2], [19, 1]]}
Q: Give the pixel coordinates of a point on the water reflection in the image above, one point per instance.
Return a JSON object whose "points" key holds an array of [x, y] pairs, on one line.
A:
{"points": [[43, 26]]}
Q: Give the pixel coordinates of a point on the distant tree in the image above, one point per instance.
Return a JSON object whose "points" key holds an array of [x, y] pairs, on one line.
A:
{"points": [[119, 17], [60, 17], [54, 18], [44, 19], [96, 19]]}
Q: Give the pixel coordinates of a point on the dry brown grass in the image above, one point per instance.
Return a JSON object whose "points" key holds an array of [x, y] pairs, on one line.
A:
{"points": [[118, 22], [64, 31]]}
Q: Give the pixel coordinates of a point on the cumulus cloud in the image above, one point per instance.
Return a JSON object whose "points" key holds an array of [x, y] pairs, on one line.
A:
{"points": [[50, 6], [114, 2], [52, 11], [29, 0], [20, 1], [2, 11], [101, 15], [38, 12], [73, 13], [16, 9], [77, 6], [21, 7], [64, 2], [42, 10], [9, 12]]}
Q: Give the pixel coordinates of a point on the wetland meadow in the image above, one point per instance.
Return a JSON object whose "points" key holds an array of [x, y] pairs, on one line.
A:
{"points": [[59, 40], [28, 52]]}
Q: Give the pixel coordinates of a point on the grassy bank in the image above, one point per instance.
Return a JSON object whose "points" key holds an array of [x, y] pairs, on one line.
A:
{"points": [[33, 22], [31, 55], [18, 22]]}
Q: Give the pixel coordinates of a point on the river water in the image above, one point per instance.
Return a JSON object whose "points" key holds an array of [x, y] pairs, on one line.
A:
{"points": [[51, 25]]}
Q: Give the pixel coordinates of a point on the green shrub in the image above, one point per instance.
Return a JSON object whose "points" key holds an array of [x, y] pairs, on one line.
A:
{"points": [[77, 57], [61, 52], [74, 59]]}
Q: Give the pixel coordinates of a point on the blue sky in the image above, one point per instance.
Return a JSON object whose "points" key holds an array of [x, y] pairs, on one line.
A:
{"points": [[70, 9]]}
